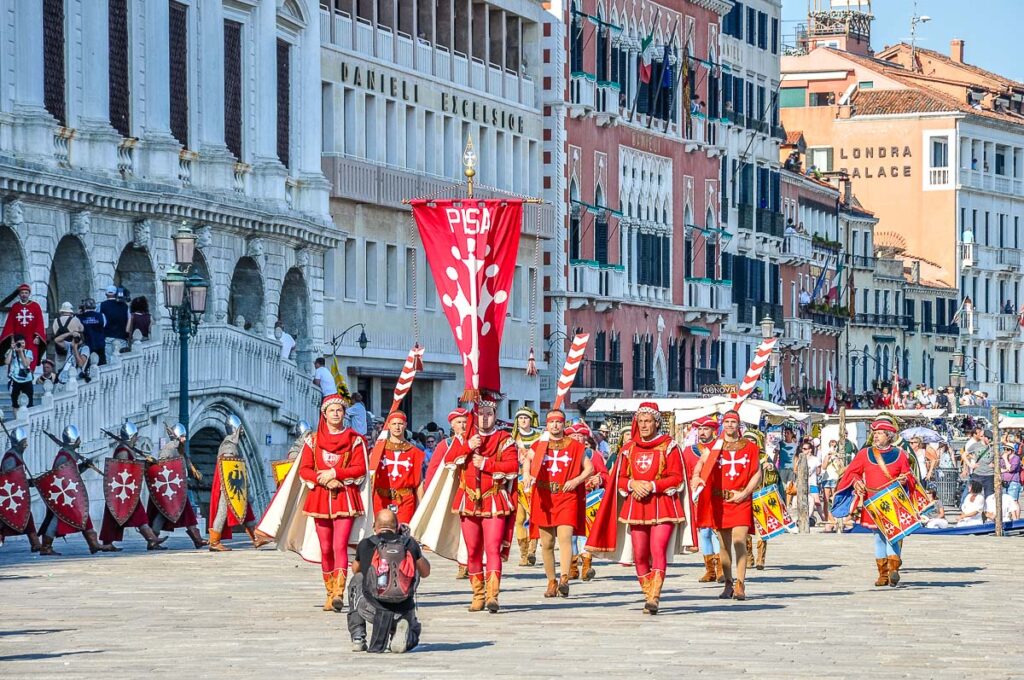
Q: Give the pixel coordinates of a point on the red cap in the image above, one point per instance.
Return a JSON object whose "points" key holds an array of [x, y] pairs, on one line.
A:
{"points": [[731, 415], [706, 421], [883, 425], [583, 429], [332, 399], [458, 413], [395, 415], [572, 428], [25, 287], [554, 415]]}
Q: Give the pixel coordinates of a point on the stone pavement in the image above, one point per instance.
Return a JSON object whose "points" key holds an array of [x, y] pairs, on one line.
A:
{"points": [[812, 614]]}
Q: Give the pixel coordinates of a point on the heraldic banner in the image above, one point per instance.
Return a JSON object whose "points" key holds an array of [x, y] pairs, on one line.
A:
{"points": [[471, 248]]}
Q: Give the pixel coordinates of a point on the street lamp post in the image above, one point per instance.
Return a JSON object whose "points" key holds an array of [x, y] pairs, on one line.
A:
{"points": [[185, 300]]}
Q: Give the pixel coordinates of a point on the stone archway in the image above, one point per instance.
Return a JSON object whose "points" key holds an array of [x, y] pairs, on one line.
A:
{"points": [[293, 309], [246, 296], [12, 261], [203, 451], [70, 276], [135, 274]]}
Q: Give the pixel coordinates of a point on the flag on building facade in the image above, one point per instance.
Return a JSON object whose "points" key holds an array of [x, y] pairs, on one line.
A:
{"points": [[830, 393], [647, 57]]}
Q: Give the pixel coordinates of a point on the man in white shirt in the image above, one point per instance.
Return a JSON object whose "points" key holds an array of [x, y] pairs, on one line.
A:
{"points": [[323, 379], [1011, 509], [286, 340]]}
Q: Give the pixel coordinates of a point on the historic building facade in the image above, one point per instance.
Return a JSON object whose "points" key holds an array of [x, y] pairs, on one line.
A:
{"points": [[640, 186], [404, 86], [109, 142]]}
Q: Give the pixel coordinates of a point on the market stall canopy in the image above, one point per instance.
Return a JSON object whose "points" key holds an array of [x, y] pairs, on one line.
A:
{"points": [[687, 410], [1011, 421], [871, 414]]}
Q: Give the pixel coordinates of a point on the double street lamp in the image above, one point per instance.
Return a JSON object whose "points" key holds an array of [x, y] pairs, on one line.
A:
{"points": [[185, 298]]}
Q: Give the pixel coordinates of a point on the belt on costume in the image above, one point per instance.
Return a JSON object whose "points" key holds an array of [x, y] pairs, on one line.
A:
{"points": [[395, 494], [554, 487], [475, 495]]}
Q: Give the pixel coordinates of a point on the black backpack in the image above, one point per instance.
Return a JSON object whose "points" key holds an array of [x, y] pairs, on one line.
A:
{"points": [[391, 576]]}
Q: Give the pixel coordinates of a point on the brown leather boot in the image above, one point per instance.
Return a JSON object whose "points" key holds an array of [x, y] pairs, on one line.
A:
{"points": [[524, 546], [153, 542], [574, 568], [894, 570], [33, 541], [750, 552], [531, 553], [719, 574], [476, 581], [258, 539], [762, 552], [197, 538], [727, 592], [654, 592], [215, 544], [47, 547], [552, 590], [883, 572], [462, 573], [563, 586], [738, 591], [493, 588], [709, 570], [94, 544], [587, 570], [645, 586], [338, 600], [329, 587]]}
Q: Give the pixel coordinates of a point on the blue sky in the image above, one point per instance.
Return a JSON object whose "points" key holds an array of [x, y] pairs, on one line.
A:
{"points": [[991, 28]]}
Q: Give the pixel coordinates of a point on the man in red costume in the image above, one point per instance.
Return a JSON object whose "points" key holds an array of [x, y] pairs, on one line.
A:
{"points": [[725, 504], [398, 483], [16, 484], [484, 466], [120, 488], [871, 470], [649, 477], [556, 470], [25, 317], [333, 465], [706, 538], [457, 419]]}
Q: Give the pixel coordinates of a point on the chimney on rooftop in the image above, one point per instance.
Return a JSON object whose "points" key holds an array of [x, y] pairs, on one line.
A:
{"points": [[956, 50]]}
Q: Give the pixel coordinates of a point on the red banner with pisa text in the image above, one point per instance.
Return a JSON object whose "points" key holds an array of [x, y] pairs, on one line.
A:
{"points": [[471, 248]]}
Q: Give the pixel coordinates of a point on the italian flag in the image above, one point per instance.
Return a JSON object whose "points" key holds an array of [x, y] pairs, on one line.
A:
{"points": [[646, 57]]}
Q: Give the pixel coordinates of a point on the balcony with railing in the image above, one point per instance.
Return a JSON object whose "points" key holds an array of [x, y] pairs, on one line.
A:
{"points": [[599, 375], [1007, 325], [887, 321], [797, 332], [582, 93], [1008, 258], [1011, 394], [594, 284], [607, 102], [796, 248], [862, 262], [707, 299], [988, 181]]}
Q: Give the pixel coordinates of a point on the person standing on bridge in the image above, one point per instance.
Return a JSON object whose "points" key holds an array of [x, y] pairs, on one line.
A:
{"points": [[398, 482]]}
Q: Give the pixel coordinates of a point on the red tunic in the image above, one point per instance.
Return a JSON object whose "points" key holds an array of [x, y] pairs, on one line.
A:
{"points": [[485, 493], [659, 461], [877, 469], [600, 468], [349, 465], [550, 505], [737, 464], [398, 476]]}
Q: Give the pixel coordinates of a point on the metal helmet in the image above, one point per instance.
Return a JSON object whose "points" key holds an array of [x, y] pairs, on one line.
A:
{"points": [[70, 437], [19, 439], [179, 431], [129, 432], [303, 427], [233, 424]]}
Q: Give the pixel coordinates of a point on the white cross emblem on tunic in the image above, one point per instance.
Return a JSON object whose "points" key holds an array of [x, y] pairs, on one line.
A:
{"points": [[553, 461], [732, 462], [24, 316], [395, 463]]}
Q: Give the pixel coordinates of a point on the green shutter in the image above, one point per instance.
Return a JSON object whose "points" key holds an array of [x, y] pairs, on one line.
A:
{"points": [[792, 97]]}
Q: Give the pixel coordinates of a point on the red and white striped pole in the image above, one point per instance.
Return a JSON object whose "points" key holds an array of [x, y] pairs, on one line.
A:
{"points": [[760, 360], [572, 365], [413, 363]]}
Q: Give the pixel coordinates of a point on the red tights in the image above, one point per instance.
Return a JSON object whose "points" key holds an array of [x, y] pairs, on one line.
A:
{"points": [[334, 535], [650, 546], [483, 535]]}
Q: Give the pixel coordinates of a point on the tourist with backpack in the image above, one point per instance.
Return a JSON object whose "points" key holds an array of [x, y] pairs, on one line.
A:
{"points": [[382, 592]]}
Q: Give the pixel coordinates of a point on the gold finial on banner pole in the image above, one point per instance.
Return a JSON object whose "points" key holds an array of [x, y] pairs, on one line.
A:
{"points": [[469, 165]]}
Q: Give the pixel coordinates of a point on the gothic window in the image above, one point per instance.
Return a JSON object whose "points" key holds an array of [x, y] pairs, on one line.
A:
{"points": [[233, 87], [120, 93], [178, 47], [53, 59]]}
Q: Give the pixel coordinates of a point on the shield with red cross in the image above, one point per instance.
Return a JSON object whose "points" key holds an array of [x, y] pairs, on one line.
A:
{"points": [[63, 492], [15, 503], [122, 487], [168, 486]]}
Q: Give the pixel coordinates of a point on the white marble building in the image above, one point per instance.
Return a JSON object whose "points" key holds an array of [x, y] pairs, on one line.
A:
{"points": [[121, 120], [405, 83]]}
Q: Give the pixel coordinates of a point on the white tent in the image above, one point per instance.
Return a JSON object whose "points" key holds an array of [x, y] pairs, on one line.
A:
{"points": [[1011, 421], [688, 410]]}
